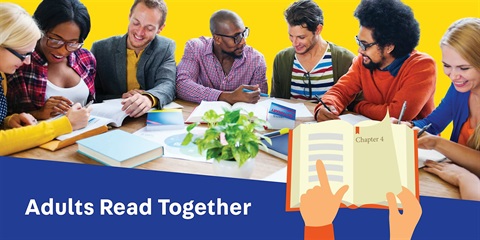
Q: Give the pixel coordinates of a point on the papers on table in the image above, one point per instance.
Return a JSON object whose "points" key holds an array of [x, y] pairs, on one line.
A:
{"points": [[426, 154], [171, 140], [353, 118], [278, 176]]}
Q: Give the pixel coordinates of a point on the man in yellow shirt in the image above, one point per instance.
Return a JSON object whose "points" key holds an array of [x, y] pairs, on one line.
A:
{"points": [[140, 65]]}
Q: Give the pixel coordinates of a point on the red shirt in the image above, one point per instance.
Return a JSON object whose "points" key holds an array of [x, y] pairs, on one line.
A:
{"points": [[414, 83]]}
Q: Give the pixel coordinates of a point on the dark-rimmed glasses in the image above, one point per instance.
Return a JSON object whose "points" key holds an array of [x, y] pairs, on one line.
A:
{"points": [[362, 45], [20, 56], [237, 38], [307, 76], [70, 46]]}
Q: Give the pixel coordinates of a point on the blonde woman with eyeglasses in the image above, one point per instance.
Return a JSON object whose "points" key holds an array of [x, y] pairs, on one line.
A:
{"points": [[18, 37], [61, 72]]}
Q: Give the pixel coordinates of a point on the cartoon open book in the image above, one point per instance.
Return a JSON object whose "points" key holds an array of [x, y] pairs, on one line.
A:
{"points": [[372, 157]]}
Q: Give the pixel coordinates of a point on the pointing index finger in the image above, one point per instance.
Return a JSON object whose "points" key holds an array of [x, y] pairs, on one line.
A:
{"points": [[322, 175]]}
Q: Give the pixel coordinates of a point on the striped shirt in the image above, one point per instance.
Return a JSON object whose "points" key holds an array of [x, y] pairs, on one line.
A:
{"points": [[200, 75], [312, 85]]}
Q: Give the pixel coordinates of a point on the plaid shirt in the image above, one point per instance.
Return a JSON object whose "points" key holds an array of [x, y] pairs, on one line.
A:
{"points": [[200, 75], [27, 86]]}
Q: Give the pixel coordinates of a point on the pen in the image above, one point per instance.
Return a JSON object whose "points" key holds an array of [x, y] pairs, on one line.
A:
{"points": [[277, 133], [404, 106], [88, 104], [423, 130], [325, 105], [261, 94]]}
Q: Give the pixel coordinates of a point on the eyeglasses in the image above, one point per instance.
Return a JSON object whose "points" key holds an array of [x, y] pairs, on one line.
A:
{"points": [[237, 38], [362, 45], [22, 57], [70, 46], [307, 77]]}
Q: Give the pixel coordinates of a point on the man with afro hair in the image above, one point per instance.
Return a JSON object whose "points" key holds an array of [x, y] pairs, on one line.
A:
{"points": [[387, 69]]}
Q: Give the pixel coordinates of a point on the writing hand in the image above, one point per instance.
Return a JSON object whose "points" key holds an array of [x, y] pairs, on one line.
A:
{"points": [[318, 205], [395, 121], [78, 116], [428, 141], [20, 120], [324, 114], [403, 225], [132, 92], [136, 105]]}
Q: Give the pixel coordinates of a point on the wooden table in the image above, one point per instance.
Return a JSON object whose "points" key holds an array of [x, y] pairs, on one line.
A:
{"points": [[265, 164]]}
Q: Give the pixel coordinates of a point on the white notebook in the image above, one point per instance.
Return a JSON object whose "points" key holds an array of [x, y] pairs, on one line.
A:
{"points": [[424, 154]]}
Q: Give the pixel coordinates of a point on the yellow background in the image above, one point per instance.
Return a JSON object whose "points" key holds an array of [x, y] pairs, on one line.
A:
{"points": [[188, 19]]}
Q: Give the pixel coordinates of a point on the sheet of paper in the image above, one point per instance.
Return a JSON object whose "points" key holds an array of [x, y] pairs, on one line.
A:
{"points": [[353, 118], [430, 154], [278, 176], [173, 105], [171, 140]]}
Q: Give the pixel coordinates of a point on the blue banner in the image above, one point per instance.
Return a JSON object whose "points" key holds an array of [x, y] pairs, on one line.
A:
{"points": [[54, 200]]}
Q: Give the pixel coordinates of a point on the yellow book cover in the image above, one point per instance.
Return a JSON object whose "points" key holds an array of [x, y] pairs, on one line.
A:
{"points": [[372, 157]]}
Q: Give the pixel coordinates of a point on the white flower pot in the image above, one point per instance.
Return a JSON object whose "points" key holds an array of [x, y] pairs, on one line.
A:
{"points": [[226, 168]]}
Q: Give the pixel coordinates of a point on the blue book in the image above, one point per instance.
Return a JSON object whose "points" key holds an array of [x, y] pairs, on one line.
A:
{"points": [[279, 147], [166, 119], [120, 149]]}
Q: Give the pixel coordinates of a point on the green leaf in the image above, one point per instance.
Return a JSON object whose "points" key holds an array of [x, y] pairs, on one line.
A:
{"points": [[191, 126], [187, 139]]}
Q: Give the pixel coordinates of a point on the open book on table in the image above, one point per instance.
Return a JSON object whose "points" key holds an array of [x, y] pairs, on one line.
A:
{"points": [[372, 157], [109, 112], [259, 111]]}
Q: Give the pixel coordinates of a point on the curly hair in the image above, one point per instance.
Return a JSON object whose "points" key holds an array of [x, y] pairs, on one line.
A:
{"points": [[305, 13], [391, 22]]}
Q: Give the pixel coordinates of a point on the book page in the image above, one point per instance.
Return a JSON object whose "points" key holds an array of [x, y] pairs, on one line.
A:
{"points": [[353, 118], [404, 138], [93, 122], [329, 141], [199, 111], [259, 111], [110, 109], [430, 154], [375, 162], [172, 105]]}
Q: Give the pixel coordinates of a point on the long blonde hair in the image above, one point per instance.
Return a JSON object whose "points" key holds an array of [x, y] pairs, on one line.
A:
{"points": [[464, 36], [474, 140], [17, 27]]}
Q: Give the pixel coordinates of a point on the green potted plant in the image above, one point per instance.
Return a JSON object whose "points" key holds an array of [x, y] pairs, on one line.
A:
{"points": [[232, 140]]}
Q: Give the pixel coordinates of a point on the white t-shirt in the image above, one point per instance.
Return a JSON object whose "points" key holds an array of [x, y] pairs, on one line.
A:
{"points": [[78, 93]]}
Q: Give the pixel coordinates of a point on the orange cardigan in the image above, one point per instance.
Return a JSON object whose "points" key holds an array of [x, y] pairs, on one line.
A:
{"points": [[414, 83]]}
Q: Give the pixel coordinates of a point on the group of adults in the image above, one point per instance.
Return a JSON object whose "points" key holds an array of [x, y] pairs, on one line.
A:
{"points": [[50, 74]]}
